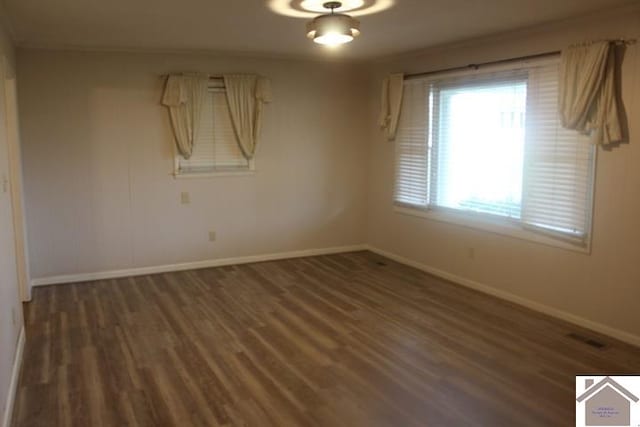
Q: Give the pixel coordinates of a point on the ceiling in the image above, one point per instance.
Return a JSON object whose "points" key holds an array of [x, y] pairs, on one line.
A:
{"points": [[251, 26]]}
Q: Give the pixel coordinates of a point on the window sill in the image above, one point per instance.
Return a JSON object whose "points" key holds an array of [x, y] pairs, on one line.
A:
{"points": [[502, 226], [206, 175]]}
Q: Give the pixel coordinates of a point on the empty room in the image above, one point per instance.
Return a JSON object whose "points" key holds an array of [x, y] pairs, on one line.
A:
{"points": [[308, 213]]}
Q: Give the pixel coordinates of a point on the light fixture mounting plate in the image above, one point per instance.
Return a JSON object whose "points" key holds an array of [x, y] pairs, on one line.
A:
{"points": [[332, 5]]}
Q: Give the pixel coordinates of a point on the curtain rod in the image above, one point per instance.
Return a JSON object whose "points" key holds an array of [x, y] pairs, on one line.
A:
{"points": [[503, 61], [211, 76]]}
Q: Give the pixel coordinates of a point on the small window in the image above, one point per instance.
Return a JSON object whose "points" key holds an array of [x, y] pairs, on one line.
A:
{"points": [[490, 145], [215, 150]]}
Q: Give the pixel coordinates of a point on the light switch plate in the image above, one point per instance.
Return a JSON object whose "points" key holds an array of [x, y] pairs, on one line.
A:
{"points": [[184, 198]]}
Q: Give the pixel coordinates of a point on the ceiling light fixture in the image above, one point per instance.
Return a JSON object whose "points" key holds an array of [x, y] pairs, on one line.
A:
{"points": [[333, 29]]}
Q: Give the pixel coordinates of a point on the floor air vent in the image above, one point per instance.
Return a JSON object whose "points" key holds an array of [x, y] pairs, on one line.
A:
{"points": [[381, 263], [586, 340]]}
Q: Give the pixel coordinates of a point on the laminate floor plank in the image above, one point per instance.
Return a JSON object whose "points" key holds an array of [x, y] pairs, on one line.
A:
{"points": [[338, 340]]}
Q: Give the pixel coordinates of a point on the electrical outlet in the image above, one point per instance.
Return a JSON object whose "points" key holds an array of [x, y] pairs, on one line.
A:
{"points": [[185, 199], [14, 319], [212, 236]]}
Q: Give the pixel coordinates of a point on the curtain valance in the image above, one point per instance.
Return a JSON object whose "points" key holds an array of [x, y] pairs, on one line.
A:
{"points": [[246, 94]]}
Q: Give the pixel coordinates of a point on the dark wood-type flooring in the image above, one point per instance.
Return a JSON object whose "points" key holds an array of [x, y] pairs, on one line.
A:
{"points": [[341, 340]]}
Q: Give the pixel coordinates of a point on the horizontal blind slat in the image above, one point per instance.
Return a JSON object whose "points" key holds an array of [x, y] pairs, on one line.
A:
{"points": [[559, 166], [411, 151], [537, 171], [215, 147]]}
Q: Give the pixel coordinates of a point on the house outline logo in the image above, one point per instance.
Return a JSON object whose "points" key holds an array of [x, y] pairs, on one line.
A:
{"points": [[606, 403]]}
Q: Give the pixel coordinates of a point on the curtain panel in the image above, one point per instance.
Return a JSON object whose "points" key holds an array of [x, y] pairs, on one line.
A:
{"points": [[588, 95], [246, 96], [392, 87], [183, 96]]}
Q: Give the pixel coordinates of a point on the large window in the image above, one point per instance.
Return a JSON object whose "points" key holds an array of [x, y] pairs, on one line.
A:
{"points": [[215, 149], [489, 145]]}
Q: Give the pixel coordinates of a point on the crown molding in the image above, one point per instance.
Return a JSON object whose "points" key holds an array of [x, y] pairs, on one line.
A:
{"points": [[499, 36], [262, 55]]}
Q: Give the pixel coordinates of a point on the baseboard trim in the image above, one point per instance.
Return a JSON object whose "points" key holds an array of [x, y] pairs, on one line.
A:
{"points": [[542, 308], [139, 271], [13, 384]]}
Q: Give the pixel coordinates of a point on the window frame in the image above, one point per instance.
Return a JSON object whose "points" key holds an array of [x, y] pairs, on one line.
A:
{"points": [[215, 85], [492, 223]]}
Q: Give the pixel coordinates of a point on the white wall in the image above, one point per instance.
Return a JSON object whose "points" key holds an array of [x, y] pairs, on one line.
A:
{"points": [[603, 286], [98, 153], [10, 308]]}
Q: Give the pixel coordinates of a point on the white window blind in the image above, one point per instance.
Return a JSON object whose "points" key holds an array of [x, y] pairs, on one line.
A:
{"points": [[490, 143], [411, 183], [559, 163], [215, 148]]}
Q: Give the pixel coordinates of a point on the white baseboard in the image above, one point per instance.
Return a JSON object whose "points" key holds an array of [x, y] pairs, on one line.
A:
{"points": [[551, 311], [13, 384], [139, 271]]}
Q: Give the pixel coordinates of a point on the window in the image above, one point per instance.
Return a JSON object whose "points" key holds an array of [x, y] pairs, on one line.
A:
{"points": [[215, 149], [489, 145]]}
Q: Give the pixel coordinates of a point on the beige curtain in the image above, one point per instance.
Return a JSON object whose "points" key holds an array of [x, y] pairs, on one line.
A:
{"points": [[246, 95], [588, 99], [392, 87], [183, 96]]}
